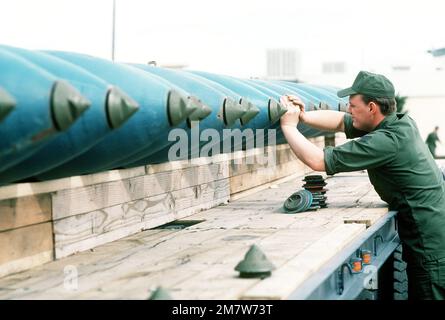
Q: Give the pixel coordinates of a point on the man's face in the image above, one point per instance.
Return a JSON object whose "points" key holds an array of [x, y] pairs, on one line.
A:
{"points": [[360, 112]]}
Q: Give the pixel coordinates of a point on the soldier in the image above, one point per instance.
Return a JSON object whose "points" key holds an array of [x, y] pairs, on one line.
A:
{"points": [[431, 141], [400, 167]]}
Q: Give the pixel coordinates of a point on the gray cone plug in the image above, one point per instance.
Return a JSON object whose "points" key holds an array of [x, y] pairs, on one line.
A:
{"points": [[160, 294], [67, 104], [255, 264], [276, 110], [119, 107], [179, 107], [232, 111], [7, 104], [202, 111], [250, 111]]}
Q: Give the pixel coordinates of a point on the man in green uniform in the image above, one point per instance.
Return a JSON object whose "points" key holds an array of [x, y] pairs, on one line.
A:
{"points": [[400, 167], [431, 141]]}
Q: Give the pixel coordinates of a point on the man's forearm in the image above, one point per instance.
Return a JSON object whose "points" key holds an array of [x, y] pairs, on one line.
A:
{"points": [[306, 151], [327, 120]]}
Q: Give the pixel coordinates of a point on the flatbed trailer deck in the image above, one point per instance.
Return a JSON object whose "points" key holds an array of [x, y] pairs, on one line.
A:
{"points": [[195, 258]]}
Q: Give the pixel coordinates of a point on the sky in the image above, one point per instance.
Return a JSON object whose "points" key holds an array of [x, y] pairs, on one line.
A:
{"points": [[231, 36]]}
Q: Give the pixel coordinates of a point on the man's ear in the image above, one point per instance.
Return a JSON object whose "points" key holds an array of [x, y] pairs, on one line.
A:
{"points": [[373, 107]]}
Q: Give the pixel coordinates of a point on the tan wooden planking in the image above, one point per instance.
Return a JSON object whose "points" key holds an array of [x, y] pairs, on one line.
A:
{"points": [[81, 200], [221, 281], [24, 211], [287, 278], [204, 269], [195, 262], [93, 267], [88, 230], [33, 188], [182, 164], [254, 163], [156, 255], [26, 263], [261, 176], [143, 273], [183, 241], [156, 259], [25, 242]]}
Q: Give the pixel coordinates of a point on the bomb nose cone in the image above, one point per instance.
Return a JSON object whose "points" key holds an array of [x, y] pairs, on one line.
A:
{"points": [[276, 110], [120, 107], [67, 104], [179, 107], [7, 104], [232, 111], [250, 111]]}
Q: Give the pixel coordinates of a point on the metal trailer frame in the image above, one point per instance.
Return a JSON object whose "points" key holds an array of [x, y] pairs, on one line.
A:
{"points": [[336, 281]]}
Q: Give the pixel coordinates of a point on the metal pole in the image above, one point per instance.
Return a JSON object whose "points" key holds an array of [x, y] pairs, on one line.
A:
{"points": [[114, 29]]}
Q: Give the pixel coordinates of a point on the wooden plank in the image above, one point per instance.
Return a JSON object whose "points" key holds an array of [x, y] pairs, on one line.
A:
{"points": [[264, 186], [48, 281], [249, 165], [182, 164], [287, 278], [34, 241], [142, 258], [76, 201], [26, 189], [85, 231], [261, 176], [25, 263], [24, 211]]}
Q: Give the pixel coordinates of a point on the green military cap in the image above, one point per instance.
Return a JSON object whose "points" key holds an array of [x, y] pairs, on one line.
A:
{"points": [[370, 84]]}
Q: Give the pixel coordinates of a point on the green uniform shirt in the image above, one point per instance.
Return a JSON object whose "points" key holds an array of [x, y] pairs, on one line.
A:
{"points": [[404, 174]]}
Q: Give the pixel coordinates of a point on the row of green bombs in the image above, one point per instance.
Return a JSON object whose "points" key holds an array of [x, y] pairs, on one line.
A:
{"points": [[254, 265]]}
